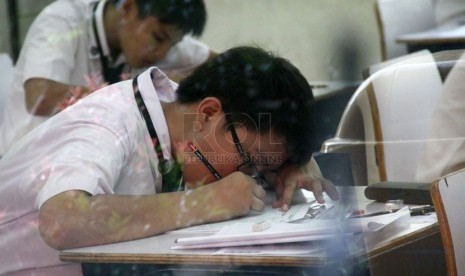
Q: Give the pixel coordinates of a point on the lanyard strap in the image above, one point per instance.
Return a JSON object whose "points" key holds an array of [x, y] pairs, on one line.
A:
{"points": [[171, 173], [111, 75]]}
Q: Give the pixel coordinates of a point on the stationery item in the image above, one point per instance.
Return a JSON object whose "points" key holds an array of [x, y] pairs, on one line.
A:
{"points": [[315, 211], [421, 210], [296, 213], [240, 233], [409, 192], [374, 214], [205, 161], [414, 211], [261, 226]]}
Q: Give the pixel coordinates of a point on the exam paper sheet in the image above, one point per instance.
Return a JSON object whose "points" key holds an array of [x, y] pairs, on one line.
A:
{"points": [[245, 233], [269, 215]]}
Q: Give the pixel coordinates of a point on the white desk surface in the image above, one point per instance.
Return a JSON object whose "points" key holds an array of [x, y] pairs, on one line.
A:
{"points": [[445, 34], [157, 249]]}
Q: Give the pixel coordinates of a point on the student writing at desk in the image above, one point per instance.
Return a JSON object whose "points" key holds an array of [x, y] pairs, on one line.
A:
{"points": [[120, 163], [76, 46]]}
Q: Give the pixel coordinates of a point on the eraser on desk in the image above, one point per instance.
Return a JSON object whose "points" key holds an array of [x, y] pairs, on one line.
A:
{"points": [[261, 226]]}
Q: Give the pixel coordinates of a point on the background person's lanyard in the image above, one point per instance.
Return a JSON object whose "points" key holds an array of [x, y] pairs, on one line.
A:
{"points": [[171, 173], [111, 75]]}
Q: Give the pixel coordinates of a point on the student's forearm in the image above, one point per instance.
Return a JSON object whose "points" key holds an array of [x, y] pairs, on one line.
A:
{"points": [[76, 219], [92, 220]]}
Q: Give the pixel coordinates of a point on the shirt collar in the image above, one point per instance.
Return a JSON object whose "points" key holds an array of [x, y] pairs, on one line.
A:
{"points": [[102, 37], [100, 28], [154, 86]]}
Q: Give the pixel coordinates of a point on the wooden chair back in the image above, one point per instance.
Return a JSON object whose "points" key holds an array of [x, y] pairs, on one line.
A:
{"points": [[447, 194]]}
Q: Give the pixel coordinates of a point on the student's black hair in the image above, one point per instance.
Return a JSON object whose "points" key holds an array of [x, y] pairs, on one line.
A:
{"points": [[260, 91], [189, 15]]}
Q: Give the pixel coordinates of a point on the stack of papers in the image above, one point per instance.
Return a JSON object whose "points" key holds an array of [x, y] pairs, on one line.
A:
{"points": [[274, 232]]}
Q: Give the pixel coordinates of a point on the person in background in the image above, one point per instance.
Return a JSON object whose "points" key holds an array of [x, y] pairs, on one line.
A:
{"points": [[134, 159], [75, 47], [444, 151]]}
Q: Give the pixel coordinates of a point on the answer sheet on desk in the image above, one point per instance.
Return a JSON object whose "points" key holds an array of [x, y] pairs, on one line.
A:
{"points": [[269, 215]]}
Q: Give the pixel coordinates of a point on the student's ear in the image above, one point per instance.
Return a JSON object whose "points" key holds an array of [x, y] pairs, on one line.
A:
{"points": [[209, 110]]}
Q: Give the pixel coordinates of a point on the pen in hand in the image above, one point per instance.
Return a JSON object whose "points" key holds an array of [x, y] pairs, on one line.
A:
{"points": [[204, 161]]}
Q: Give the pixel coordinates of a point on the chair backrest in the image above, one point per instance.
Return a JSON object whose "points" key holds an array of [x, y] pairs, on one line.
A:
{"points": [[6, 77], [397, 17], [389, 116], [407, 58], [403, 100], [447, 194], [445, 61]]}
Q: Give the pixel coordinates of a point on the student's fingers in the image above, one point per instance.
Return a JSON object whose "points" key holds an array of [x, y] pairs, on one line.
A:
{"points": [[316, 187], [258, 191], [257, 204], [330, 189], [279, 190], [286, 198]]}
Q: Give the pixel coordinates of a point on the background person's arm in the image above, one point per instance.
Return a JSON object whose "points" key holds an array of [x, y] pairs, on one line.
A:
{"points": [[46, 97]]}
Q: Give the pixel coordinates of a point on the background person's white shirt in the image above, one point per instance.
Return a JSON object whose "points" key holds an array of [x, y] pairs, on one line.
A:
{"points": [[60, 46], [445, 150], [99, 145]]}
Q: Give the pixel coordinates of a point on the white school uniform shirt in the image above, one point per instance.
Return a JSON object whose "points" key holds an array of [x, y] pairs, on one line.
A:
{"points": [[445, 150], [61, 46], [100, 145]]}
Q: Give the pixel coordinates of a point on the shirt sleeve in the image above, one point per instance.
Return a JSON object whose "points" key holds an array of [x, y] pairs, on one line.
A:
{"points": [[88, 155], [50, 47]]}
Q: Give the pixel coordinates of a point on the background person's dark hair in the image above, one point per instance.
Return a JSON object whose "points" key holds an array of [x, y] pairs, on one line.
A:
{"points": [[189, 15], [249, 81]]}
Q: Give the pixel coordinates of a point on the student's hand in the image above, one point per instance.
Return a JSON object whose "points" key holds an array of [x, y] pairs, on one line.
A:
{"points": [[241, 193], [234, 195], [308, 177]]}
